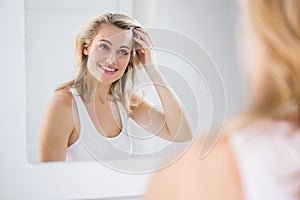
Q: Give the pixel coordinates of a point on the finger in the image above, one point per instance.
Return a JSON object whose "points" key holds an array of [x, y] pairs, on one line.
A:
{"points": [[146, 43], [143, 32], [144, 35], [140, 44], [139, 49], [140, 29]]}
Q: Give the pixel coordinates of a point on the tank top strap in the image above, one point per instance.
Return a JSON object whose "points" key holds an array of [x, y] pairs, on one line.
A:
{"points": [[123, 115]]}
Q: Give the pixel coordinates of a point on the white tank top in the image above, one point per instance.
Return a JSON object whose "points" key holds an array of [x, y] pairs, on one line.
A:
{"points": [[92, 145], [268, 160]]}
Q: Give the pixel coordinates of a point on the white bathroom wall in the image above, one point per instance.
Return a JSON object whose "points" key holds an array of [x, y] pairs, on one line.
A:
{"points": [[211, 23]]}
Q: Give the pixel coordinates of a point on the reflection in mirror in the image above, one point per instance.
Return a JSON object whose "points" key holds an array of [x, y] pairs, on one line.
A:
{"points": [[100, 114], [109, 49]]}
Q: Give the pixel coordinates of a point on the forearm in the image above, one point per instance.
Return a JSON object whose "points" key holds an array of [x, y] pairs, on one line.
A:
{"points": [[176, 120], [176, 123]]}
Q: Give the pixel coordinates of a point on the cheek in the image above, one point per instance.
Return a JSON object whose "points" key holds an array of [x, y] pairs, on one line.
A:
{"points": [[251, 51], [255, 57], [123, 63], [101, 57], [252, 56]]}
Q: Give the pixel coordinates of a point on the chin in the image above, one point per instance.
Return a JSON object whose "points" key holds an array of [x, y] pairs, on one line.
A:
{"points": [[106, 81]]}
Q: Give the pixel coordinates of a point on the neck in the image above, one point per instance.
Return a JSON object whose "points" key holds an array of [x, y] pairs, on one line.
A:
{"points": [[99, 91], [102, 93]]}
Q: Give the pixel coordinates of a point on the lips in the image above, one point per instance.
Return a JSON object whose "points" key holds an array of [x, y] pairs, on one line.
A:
{"points": [[108, 69]]}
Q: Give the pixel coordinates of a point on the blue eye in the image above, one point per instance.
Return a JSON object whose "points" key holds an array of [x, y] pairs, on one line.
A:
{"points": [[103, 46], [122, 52]]}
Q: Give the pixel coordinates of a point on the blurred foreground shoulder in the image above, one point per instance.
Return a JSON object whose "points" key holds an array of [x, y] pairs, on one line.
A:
{"points": [[211, 178]]}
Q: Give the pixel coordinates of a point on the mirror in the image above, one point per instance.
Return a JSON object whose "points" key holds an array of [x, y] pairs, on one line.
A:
{"points": [[192, 75]]}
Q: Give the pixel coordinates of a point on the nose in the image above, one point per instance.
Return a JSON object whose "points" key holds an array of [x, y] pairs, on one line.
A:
{"points": [[111, 58]]}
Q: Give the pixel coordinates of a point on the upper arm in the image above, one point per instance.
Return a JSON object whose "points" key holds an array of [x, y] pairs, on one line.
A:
{"points": [[56, 127], [212, 178]]}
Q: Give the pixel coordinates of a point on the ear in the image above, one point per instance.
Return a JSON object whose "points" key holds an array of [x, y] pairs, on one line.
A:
{"points": [[86, 50]]}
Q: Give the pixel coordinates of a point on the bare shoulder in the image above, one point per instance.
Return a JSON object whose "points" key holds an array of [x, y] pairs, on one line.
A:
{"points": [[213, 177], [56, 127], [59, 108], [62, 98]]}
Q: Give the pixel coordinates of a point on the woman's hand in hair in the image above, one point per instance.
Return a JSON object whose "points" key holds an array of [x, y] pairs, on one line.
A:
{"points": [[144, 47]]}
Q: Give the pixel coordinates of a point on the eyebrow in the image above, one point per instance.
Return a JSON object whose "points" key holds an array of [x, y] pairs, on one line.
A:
{"points": [[123, 46], [106, 41]]}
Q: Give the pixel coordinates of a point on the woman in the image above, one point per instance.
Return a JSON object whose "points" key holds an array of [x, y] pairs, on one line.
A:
{"points": [[108, 50], [259, 154]]}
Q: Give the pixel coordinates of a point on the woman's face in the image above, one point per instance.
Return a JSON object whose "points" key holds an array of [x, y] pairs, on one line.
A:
{"points": [[109, 53]]}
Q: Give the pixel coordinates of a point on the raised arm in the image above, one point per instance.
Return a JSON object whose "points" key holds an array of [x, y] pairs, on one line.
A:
{"points": [[56, 128], [171, 123]]}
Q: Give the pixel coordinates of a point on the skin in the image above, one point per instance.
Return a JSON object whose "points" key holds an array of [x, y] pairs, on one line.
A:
{"points": [[111, 48], [213, 178], [250, 44]]}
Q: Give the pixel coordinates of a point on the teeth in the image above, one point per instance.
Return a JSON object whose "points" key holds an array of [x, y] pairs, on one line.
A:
{"points": [[108, 69]]}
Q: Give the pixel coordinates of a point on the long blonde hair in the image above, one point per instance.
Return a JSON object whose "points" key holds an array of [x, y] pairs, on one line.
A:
{"points": [[277, 25], [122, 88]]}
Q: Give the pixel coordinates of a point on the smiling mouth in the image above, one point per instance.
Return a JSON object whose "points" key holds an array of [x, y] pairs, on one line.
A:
{"points": [[108, 69]]}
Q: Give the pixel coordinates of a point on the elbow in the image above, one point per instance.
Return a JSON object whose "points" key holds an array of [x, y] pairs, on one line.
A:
{"points": [[183, 136]]}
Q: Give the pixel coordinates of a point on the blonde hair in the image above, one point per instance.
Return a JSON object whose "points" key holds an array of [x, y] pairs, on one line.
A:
{"points": [[277, 25], [122, 88]]}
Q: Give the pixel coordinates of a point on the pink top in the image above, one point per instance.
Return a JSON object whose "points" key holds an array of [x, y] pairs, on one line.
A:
{"points": [[268, 160]]}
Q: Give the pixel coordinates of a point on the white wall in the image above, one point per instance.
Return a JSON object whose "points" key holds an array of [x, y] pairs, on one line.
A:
{"points": [[211, 23]]}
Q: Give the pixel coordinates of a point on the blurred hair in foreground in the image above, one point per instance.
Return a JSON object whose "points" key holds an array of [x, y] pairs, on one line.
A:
{"points": [[276, 23]]}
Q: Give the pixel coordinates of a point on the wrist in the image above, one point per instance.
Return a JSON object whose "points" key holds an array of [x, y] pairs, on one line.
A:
{"points": [[150, 63], [150, 67]]}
